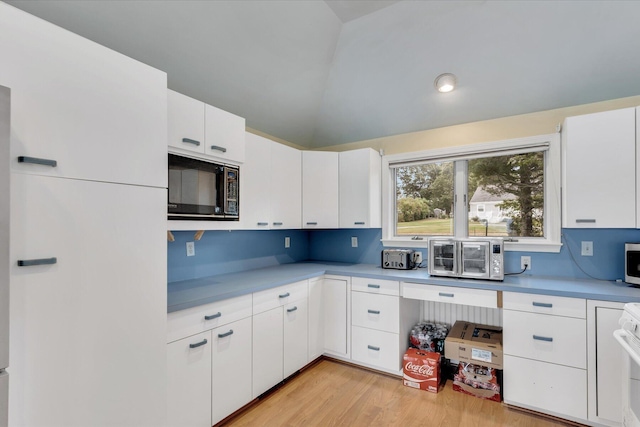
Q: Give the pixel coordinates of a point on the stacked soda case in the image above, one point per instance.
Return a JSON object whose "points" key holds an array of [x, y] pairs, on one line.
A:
{"points": [[429, 336]]}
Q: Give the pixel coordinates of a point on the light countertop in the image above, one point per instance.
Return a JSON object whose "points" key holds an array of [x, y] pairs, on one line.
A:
{"points": [[190, 293]]}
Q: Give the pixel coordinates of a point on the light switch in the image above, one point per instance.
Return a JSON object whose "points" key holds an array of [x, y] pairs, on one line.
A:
{"points": [[354, 242], [587, 249]]}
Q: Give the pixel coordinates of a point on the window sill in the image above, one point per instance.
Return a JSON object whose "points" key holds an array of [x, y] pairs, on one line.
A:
{"points": [[524, 246]]}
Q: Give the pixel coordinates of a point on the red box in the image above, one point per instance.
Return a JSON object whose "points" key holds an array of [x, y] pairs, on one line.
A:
{"points": [[421, 370], [478, 381]]}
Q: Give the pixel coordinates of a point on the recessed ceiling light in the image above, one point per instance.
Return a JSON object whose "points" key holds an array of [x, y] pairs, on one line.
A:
{"points": [[445, 82]]}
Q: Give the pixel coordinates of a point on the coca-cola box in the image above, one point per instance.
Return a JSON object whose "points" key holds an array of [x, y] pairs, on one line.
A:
{"points": [[421, 370]]}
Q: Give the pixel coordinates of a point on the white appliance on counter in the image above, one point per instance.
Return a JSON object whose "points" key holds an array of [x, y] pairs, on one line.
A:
{"points": [[629, 338], [5, 106]]}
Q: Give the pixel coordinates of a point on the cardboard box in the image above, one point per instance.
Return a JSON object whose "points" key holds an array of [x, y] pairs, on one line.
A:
{"points": [[474, 343], [478, 381], [421, 370]]}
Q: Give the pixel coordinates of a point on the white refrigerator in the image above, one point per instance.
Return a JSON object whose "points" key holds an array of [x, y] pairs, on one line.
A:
{"points": [[5, 107]]}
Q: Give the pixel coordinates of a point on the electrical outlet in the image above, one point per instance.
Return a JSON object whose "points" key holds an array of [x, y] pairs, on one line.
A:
{"points": [[191, 249], [417, 257], [287, 242], [354, 242], [587, 249], [525, 260]]}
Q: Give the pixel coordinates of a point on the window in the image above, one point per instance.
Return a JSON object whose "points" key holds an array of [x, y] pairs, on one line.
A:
{"points": [[506, 189]]}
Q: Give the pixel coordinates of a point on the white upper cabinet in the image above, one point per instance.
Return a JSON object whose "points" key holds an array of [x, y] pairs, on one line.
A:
{"points": [[271, 185], [195, 128], [599, 170], [94, 113], [319, 189], [360, 191]]}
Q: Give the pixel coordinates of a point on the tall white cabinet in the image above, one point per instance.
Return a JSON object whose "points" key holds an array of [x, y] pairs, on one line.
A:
{"points": [[88, 254], [599, 170], [320, 189], [360, 189]]}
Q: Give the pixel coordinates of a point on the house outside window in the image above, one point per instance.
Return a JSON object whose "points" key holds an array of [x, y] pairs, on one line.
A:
{"points": [[507, 189]]}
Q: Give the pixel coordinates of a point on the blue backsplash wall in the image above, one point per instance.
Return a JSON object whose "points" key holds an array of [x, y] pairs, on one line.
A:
{"points": [[220, 252]]}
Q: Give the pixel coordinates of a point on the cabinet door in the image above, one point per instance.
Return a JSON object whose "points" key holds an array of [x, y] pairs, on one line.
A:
{"points": [[99, 114], [224, 135], [268, 350], [360, 189], [185, 122], [316, 319], [599, 170], [295, 336], [286, 187], [335, 296], [319, 189], [255, 182], [189, 381], [231, 358], [95, 321]]}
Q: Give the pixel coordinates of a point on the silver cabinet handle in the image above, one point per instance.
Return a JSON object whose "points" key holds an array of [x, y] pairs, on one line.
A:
{"points": [[226, 334], [277, 223], [585, 221], [539, 338], [373, 347], [263, 223], [37, 161], [284, 295], [291, 310], [32, 262], [371, 285], [190, 141], [542, 304], [373, 311], [312, 223], [443, 294], [213, 316], [359, 223], [218, 148], [198, 344]]}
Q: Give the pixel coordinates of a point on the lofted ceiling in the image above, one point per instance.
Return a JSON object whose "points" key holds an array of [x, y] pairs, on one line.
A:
{"points": [[321, 73]]}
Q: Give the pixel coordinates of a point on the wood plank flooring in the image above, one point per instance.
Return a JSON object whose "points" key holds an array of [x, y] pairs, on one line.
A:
{"points": [[330, 393]]}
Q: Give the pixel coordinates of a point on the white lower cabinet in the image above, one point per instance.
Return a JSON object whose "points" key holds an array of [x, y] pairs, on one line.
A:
{"points": [[545, 355], [605, 368], [336, 316], [296, 324], [268, 350], [189, 381], [375, 348], [231, 368]]}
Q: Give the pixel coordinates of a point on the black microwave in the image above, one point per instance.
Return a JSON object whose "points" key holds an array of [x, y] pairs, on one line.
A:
{"points": [[201, 190]]}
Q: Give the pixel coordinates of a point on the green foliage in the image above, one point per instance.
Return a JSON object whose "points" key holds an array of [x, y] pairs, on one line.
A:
{"points": [[412, 209]]}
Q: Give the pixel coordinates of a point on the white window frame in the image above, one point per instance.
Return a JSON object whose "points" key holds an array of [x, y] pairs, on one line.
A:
{"points": [[551, 242]]}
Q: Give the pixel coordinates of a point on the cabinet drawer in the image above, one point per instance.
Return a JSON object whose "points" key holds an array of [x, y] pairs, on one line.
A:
{"points": [[450, 294], [194, 320], [375, 286], [553, 339], [545, 304], [545, 387], [375, 348], [372, 311], [272, 298]]}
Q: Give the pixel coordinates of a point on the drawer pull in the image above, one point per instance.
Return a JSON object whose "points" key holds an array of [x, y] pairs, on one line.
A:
{"points": [[277, 223], [312, 223], [373, 347], [359, 223], [263, 223], [190, 141], [539, 338], [198, 344], [291, 310], [213, 316], [371, 285], [284, 295], [226, 334], [585, 221], [542, 304], [37, 161], [373, 311], [32, 262], [443, 294], [218, 148]]}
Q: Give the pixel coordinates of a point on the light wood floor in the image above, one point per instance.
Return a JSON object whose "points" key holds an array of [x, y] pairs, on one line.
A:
{"points": [[334, 394]]}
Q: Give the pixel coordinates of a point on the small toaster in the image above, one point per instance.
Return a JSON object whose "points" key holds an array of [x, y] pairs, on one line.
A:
{"points": [[399, 259]]}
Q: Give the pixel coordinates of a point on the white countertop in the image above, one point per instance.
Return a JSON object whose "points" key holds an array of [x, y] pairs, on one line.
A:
{"points": [[190, 293]]}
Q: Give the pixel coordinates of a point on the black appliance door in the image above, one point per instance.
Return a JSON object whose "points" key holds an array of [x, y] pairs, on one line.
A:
{"points": [[195, 188]]}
